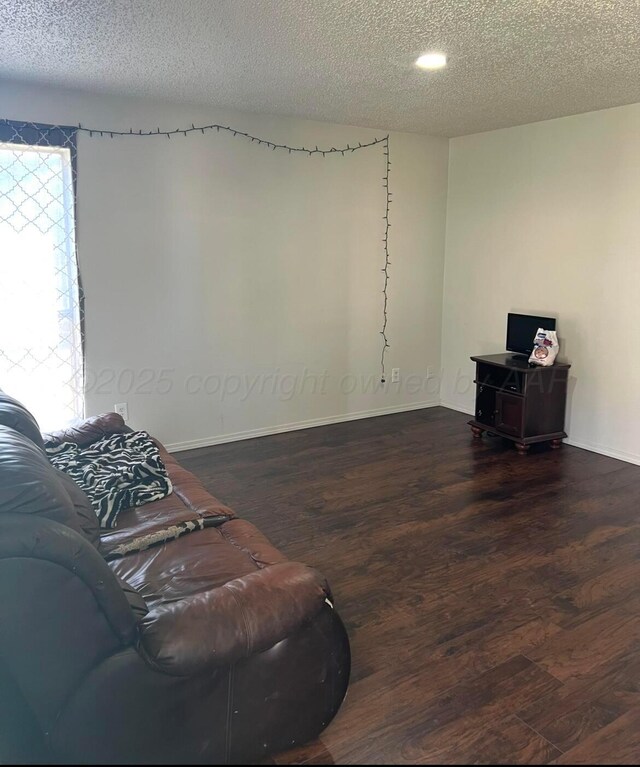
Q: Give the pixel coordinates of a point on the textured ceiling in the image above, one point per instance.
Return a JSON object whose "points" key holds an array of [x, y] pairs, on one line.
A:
{"points": [[348, 61]]}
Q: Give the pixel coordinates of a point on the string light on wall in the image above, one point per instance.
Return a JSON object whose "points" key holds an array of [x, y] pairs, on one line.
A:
{"points": [[384, 142], [387, 262]]}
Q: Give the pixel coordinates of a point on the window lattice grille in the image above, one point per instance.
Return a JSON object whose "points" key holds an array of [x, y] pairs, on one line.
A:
{"points": [[41, 359]]}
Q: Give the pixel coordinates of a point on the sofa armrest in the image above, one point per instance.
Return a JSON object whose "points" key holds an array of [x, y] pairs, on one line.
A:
{"points": [[29, 537], [243, 617], [89, 430]]}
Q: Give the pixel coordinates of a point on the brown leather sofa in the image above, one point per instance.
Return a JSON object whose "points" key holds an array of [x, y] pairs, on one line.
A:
{"points": [[211, 648]]}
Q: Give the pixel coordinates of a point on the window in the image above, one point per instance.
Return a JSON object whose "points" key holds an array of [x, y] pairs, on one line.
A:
{"points": [[41, 361]]}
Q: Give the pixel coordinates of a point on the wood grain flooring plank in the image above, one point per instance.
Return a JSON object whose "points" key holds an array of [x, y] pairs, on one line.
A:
{"points": [[577, 651], [617, 743]]}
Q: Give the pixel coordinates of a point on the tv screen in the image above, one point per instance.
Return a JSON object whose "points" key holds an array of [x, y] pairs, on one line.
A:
{"points": [[522, 329]]}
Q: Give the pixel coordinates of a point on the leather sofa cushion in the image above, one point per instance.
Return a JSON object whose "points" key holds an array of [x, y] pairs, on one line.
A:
{"points": [[16, 416], [30, 485], [84, 510], [197, 562], [88, 430], [189, 501], [190, 490], [136, 602]]}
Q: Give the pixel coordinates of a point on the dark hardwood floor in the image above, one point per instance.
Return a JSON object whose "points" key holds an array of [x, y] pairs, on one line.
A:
{"points": [[492, 599]]}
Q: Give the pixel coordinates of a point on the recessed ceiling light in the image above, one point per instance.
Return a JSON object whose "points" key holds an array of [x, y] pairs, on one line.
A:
{"points": [[431, 61]]}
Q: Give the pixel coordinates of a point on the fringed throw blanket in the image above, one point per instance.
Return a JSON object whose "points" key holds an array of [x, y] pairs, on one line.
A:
{"points": [[116, 472]]}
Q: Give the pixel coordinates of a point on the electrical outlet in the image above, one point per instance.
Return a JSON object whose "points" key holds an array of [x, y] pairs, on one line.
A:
{"points": [[395, 375], [121, 408]]}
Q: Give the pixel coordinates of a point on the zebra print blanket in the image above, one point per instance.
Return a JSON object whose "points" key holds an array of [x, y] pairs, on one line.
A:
{"points": [[116, 472]]}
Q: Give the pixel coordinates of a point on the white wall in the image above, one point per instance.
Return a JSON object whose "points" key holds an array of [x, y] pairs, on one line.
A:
{"points": [[545, 219], [205, 257], [208, 256]]}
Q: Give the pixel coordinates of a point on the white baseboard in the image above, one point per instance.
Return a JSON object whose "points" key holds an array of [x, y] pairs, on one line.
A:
{"points": [[312, 423], [452, 406], [176, 447], [591, 446], [620, 455]]}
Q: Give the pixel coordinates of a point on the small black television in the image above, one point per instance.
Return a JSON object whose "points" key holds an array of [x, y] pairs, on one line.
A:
{"points": [[522, 329]]}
